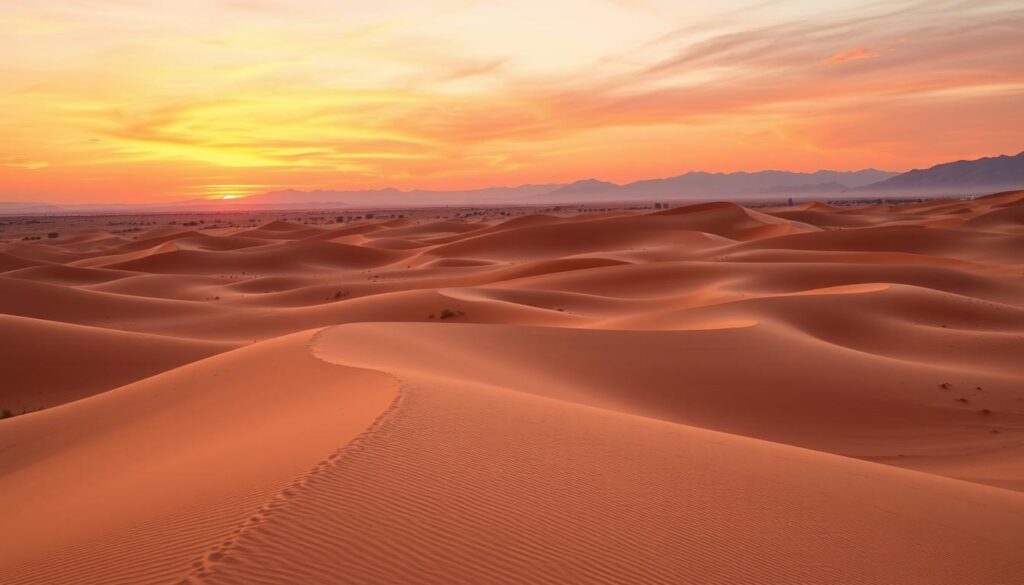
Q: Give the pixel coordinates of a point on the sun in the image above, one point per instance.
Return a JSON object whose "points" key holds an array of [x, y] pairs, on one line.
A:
{"points": [[230, 197]]}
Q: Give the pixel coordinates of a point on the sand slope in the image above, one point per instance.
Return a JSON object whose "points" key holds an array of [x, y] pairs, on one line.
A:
{"points": [[468, 483], [137, 484], [46, 363]]}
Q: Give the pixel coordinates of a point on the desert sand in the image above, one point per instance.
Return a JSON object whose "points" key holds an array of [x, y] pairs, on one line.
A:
{"points": [[704, 394]]}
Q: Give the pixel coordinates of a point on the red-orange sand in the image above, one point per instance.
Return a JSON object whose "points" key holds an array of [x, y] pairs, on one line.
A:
{"points": [[707, 394]]}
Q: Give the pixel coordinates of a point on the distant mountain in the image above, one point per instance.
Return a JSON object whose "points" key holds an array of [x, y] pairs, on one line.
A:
{"points": [[691, 185], [969, 177], [586, 186], [986, 175], [26, 208], [701, 185], [813, 189], [295, 196], [378, 197]]}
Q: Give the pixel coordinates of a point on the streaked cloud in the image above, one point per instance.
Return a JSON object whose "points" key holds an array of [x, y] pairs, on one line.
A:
{"points": [[851, 55], [17, 162]]}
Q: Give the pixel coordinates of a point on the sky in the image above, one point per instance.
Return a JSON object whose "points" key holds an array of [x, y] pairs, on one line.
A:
{"points": [[147, 100]]}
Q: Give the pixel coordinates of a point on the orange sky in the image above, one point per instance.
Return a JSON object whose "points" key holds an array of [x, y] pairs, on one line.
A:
{"points": [[146, 100]]}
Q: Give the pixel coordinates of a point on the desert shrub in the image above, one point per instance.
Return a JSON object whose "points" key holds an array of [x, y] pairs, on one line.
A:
{"points": [[53, 235], [450, 314], [6, 413]]}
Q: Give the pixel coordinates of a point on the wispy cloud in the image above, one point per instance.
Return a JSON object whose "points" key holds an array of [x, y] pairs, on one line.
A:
{"points": [[851, 55], [17, 162]]}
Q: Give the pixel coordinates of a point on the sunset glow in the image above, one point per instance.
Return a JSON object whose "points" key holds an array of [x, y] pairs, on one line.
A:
{"points": [[115, 100]]}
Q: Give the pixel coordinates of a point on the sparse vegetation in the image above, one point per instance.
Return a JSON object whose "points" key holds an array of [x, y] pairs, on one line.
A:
{"points": [[5, 413], [450, 314], [340, 294], [53, 235]]}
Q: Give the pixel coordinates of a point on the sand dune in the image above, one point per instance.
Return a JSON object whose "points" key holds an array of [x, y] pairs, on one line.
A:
{"points": [[705, 394], [10, 262], [46, 363], [274, 259], [538, 490], [812, 394], [67, 275], [137, 484]]}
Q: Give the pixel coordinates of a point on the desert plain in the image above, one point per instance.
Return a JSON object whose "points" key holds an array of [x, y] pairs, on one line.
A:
{"points": [[698, 394]]}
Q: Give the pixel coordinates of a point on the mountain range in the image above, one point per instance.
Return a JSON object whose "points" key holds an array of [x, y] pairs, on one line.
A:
{"points": [[973, 177], [718, 185], [694, 185], [984, 175]]}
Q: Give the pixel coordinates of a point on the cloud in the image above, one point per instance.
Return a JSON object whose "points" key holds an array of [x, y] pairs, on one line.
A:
{"points": [[17, 162], [851, 55], [473, 70]]}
